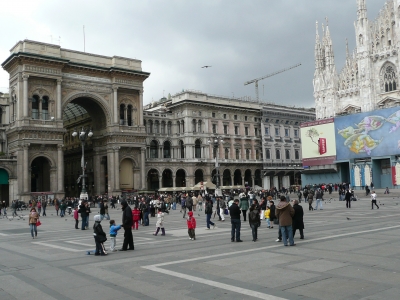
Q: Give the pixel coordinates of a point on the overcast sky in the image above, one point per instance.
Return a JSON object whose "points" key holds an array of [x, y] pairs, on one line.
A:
{"points": [[240, 39]]}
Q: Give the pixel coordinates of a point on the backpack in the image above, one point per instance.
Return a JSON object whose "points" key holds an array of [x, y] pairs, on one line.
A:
{"points": [[253, 217], [318, 195]]}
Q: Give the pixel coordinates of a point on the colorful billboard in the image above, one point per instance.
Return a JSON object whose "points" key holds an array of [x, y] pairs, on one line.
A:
{"points": [[374, 133], [318, 144]]}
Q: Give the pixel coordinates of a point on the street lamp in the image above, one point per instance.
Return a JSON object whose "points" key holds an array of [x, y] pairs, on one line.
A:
{"points": [[294, 174], [84, 133], [215, 141]]}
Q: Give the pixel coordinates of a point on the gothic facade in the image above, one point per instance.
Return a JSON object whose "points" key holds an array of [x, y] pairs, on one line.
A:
{"points": [[370, 78]]}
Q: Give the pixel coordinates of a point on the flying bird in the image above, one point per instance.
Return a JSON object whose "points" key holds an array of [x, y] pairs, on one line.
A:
{"points": [[348, 218], [206, 67]]}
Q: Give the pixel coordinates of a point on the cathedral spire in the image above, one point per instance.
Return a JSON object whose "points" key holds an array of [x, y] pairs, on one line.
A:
{"points": [[329, 57], [347, 49], [361, 9]]}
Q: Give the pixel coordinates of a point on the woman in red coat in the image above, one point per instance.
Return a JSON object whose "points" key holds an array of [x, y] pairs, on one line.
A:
{"points": [[135, 218]]}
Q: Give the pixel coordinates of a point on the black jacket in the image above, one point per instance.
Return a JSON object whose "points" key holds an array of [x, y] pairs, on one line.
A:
{"points": [[234, 211], [298, 217], [84, 211], [99, 234], [102, 209], [258, 220], [272, 215], [126, 215]]}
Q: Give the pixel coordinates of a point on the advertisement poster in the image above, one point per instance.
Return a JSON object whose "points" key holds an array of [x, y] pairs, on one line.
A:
{"points": [[318, 144], [374, 133]]}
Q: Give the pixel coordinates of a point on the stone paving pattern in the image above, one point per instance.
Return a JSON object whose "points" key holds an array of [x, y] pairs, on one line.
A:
{"points": [[339, 259]]}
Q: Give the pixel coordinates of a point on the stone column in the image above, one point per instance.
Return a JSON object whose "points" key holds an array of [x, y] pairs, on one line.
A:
{"points": [[253, 180], [60, 168], [58, 104], [141, 107], [115, 105], [25, 101], [110, 170], [116, 169], [173, 180], [242, 180], [232, 180], [142, 167], [96, 172], [160, 182], [26, 168]]}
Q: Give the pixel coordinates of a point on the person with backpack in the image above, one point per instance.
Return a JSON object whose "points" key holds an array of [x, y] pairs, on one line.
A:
{"points": [[254, 221], [319, 197]]}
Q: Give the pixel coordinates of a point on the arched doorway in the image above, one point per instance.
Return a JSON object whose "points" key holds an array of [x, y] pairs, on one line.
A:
{"points": [[226, 178], [153, 182], [126, 174], [167, 179], [40, 175], [4, 187], [198, 176], [257, 178], [237, 177], [247, 178], [180, 180]]}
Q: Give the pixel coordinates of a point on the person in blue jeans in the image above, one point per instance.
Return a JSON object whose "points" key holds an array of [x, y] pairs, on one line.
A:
{"points": [[234, 212], [285, 212], [208, 211], [84, 210]]}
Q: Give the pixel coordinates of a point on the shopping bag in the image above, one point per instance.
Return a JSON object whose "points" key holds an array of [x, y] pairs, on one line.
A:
{"points": [[38, 223]]}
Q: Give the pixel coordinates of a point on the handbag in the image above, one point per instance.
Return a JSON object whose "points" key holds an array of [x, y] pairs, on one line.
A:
{"points": [[38, 223], [226, 211]]}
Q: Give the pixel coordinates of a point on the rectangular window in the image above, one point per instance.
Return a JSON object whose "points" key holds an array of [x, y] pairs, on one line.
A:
{"points": [[213, 115], [286, 132], [257, 154], [277, 131], [245, 118], [225, 129], [214, 128], [296, 133], [255, 119], [266, 130], [267, 153], [224, 116], [235, 117], [246, 131], [256, 131], [237, 153], [199, 113], [236, 130]]}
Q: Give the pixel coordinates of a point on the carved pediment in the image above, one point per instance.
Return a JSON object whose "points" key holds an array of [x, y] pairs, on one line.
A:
{"points": [[351, 109], [388, 102]]}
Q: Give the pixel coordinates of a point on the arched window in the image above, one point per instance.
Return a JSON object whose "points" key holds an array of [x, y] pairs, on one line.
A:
{"points": [[169, 128], [178, 124], [150, 126], [389, 78], [129, 115], [157, 127], [197, 149], [237, 153], [226, 153], [194, 125], [278, 154], [199, 126], [287, 154], [153, 149], [45, 108], [167, 149], [267, 154], [182, 147], [183, 126], [247, 154], [296, 154], [122, 114], [162, 127], [257, 154], [35, 107]]}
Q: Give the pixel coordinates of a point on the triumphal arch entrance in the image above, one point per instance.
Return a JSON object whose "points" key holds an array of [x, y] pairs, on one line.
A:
{"points": [[55, 91]]}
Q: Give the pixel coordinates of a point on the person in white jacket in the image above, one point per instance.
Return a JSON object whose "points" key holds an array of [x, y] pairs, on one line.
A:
{"points": [[160, 223]]}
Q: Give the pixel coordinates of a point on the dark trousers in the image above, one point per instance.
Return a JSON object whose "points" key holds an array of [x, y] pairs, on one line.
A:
{"points": [[44, 211], [162, 231], [301, 232], [190, 208], [310, 206], [76, 223], [218, 214], [128, 239], [146, 218], [244, 214], [348, 203], [235, 228], [83, 222], [209, 221], [279, 233], [191, 233], [99, 248], [372, 204], [254, 229]]}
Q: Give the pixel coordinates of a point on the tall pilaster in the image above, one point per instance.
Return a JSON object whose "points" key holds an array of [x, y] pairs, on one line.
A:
{"points": [[25, 96], [26, 168], [96, 171], [142, 167], [115, 104], [116, 164], [141, 107], [110, 170], [60, 168], [58, 104]]}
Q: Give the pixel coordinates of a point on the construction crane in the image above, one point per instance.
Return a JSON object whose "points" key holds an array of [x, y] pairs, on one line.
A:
{"points": [[269, 75]]}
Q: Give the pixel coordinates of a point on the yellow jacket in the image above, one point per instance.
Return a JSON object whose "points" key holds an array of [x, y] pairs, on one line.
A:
{"points": [[266, 214]]}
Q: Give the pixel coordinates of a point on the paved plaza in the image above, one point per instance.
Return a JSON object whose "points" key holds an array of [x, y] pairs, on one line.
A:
{"points": [[339, 259]]}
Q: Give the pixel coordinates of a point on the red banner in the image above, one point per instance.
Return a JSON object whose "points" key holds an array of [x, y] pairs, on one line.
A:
{"points": [[394, 175], [322, 146]]}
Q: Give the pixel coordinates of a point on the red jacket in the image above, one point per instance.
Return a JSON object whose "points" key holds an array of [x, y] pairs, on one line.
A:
{"points": [[191, 223], [135, 215]]}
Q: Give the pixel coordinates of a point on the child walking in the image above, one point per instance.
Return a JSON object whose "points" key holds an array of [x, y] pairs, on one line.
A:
{"points": [[99, 236], [135, 218], [113, 235], [160, 222], [267, 218], [76, 217], [191, 224]]}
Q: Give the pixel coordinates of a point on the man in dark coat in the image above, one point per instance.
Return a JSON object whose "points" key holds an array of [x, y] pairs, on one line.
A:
{"points": [[127, 224], [234, 211], [347, 197], [298, 219]]}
